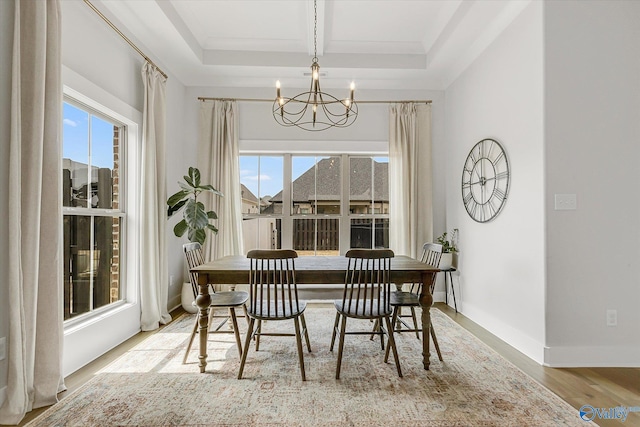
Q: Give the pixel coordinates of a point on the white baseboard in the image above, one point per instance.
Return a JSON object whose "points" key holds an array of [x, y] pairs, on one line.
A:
{"points": [[174, 303], [514, 337], [592, 357]]}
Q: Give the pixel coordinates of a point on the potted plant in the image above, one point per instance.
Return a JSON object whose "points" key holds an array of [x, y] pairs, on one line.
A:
{"points": [[195, 219], [449, 244]]}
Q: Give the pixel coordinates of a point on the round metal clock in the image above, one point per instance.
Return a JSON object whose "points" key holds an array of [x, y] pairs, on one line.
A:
{"points": [[485, 180]]}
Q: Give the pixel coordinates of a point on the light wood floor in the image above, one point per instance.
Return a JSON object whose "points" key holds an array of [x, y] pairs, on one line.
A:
{"points": [[599, 387]]}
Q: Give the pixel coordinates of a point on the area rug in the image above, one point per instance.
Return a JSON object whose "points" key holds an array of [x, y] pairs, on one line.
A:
{"points": [[149, 385]]}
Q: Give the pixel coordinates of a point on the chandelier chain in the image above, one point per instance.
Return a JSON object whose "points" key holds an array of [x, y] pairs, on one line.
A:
{"points": [[315, 31]]}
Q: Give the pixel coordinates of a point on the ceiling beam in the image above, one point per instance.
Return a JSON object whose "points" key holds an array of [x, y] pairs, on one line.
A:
{"points": [[321, 27]]}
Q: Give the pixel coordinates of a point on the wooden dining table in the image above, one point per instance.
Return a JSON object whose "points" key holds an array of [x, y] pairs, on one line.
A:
{"points": [[310, 270]]}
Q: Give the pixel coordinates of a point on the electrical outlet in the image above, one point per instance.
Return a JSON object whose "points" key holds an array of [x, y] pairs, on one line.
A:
{"points": [[3, 348], [566, 202], [171, 282], [612, 317]]}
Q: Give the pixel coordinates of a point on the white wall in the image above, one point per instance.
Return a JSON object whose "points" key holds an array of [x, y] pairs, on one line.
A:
{"points": [[6, 40], [102, 66], [501, 263], [592, 115]]}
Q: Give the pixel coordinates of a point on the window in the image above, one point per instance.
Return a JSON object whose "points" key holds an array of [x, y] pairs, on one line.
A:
{"points": [[369, 202], [309, 211], [93, 183]]}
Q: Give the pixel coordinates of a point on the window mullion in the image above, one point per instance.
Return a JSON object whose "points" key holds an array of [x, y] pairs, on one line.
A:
{"points": [[287, 219], [345, 214]]}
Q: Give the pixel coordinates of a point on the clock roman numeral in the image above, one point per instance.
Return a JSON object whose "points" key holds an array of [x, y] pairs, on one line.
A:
{"points": [[499, 194]]}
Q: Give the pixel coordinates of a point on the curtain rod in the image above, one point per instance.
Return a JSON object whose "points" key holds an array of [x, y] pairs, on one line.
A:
{"points": [[136, 48], [202, 98]]}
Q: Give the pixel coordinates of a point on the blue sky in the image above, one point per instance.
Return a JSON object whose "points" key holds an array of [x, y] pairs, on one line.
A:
{"points": [[76, 137]]}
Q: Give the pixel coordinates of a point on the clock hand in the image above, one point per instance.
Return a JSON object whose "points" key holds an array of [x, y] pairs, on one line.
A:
{"points": [[480, 181]]}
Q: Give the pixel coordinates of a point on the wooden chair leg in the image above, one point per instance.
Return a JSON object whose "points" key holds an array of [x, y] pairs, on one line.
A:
{"points": [[415, 322], [193, 335], [247, 344], [398, 324], [394, 318], [435, 341], [236, 331], [335, 328], [246, 314], [343, 330], [299, 345], [392, 344], [305, 332], [376, 328], [258, 330]]}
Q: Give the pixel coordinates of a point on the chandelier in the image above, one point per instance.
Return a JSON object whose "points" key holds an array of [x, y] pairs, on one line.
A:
{"points": [[315, 110]]}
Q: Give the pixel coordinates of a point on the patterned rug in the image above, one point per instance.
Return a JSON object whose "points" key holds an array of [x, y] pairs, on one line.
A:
{"points": [[149, 385]]}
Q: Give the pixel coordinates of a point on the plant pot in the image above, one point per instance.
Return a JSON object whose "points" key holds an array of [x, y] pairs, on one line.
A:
{"points": [[188, 299], [448, 260]]}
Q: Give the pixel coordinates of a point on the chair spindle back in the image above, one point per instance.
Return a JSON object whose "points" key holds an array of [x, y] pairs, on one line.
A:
{"points": [[367, 282], [194, 256], [272, 283]]}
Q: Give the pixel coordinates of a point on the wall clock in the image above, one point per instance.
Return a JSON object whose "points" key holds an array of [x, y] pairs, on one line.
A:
{"points": [[485, 180]]}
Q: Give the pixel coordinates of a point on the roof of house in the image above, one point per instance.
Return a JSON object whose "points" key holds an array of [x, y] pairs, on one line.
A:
{"points": [[328, 181], [247, 195]]}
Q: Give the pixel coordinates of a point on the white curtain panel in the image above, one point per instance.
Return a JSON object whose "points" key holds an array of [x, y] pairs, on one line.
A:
{"points": [[219, 165], [34, 344], [410, 178], [154, 273]]}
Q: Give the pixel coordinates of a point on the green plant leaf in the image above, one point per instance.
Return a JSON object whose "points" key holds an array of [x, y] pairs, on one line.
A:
{"points": [[197, 236], [188, 180], [212, 228], [195, 215], [175, 208], [211, 189], [194, 173], [180, 228], [174, 199], [212, 215], [186, 187]]}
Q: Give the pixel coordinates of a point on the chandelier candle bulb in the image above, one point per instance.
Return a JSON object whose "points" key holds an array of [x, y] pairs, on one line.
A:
{"points": [[278, 90], [353, 88]]}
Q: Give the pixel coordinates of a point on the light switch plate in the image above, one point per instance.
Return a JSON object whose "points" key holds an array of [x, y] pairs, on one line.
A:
{"points": [[3, 348], [566, 202]]}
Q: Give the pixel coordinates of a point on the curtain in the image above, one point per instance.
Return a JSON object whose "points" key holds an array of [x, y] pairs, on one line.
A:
{"points": [[219, 165], [410, 180], [34, 341], [154, 273]]}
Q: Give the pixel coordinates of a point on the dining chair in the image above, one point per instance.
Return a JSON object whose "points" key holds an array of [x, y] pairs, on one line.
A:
{"points": [[367, 295], [273, 295], [431, 253], [229, 300]]}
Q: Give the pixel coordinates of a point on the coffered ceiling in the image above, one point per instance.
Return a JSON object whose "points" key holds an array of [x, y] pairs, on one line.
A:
{"points": [[378, 44]]}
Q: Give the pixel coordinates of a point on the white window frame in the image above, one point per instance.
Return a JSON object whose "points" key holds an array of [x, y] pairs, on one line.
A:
{"points": [[288, 149], [110, 213]]}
